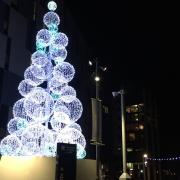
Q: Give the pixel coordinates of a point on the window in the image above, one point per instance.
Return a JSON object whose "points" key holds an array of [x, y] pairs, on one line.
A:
{"points": [[132, 136]]}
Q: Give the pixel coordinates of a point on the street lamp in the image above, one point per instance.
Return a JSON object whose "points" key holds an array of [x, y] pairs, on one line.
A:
{"points": [[97, 116], [145, 156], [97, 78], [124, 175]]}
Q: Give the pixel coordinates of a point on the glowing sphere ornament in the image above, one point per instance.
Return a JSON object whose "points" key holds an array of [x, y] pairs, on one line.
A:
{"points": [[34, 138], [17, 126], [52, 6], [59, 123], [60, 108], [71, 133], [81, 140], [31, 74], [10, 145], [25, 87], [64, 72], [75, 108], [60, 40], [43, 38], [39, 58], [19, 110], [55, 86], [51, 20], [75, 126], [58, 55], [68, 94], [81, 153], [39, 105]]}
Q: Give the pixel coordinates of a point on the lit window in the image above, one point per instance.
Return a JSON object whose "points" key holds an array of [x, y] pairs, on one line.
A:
{"points": [[141, 127], [129, 149], [132, 136]]}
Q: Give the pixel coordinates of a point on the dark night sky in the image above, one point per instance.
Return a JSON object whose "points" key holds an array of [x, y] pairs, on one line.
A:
{"points": [[126, 36]]}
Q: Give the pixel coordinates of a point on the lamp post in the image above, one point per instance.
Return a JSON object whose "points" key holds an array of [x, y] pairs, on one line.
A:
{"points": [[145, 156], [124, 175], [96, 105]]}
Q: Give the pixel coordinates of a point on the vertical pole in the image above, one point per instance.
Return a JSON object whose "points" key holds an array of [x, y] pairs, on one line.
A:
{"points": [[144, 168], [97, 146], [123, 131], [97, 82]]}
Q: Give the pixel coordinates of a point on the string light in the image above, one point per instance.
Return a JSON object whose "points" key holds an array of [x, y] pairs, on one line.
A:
{"points": [[164, 159], [49, 108]]}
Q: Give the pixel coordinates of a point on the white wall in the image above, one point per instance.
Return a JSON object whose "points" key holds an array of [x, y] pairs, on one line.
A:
{"points": [[40, 168]]}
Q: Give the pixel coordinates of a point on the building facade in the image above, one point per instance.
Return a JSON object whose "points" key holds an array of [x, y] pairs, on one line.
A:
{"points": [[141, 135]]}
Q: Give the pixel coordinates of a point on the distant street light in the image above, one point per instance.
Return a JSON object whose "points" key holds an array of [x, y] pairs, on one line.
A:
{"points": [[124, 175], [97, 78], [145, 155], [90, 63]]}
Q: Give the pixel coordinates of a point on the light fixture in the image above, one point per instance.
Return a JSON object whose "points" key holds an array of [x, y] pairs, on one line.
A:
{"points": [[145, 155], [104, 68], [97, 78], [90, 63]]}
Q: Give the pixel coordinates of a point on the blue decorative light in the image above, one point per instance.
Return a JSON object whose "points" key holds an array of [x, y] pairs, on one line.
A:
{"points": [[60, 40], [51, 20], [25, 87], [68, 94], [10, 145], [43, 38], [58, 55], [17, 126], [31, 73], [39, 105]]}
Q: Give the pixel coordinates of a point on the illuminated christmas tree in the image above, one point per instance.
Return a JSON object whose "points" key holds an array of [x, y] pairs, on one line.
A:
{"points": [[48, 111]]}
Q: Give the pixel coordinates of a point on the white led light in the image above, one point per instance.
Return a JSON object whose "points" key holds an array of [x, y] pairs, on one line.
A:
{"points": [[59, 123], [60, 40], [68, 94], [75, 108], [31, 73], [55, 86], [17, 126], [34, 139], [43, 37], [39, 105], [10, 145], [19, 110], [64, 72], [75, 126], [51, 20], [52, 6], [60, 108], [58, 55], [25, 87], [70, 133]]}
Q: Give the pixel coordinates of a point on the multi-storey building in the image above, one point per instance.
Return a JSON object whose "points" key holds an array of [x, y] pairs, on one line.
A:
{"points": [[141, 135]]}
